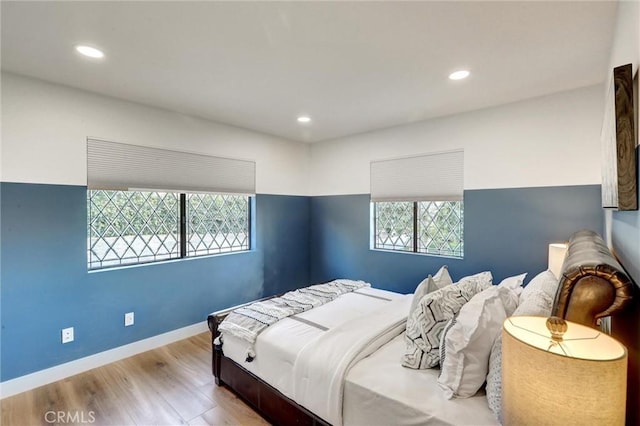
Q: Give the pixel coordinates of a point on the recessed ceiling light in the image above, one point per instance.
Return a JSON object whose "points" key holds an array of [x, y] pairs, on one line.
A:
{"points": [[89, 51], [304, 119], [459, 75]]}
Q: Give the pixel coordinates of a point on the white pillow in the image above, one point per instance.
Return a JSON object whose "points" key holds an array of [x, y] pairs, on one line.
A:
{"points": [[538, 301], [466, 347], [514, 283], [439, 280], [545, 281], [425, 324], [442, 277]]}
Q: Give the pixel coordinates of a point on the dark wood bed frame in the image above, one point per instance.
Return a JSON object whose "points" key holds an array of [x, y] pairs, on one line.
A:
{"points": [[593, 285]]}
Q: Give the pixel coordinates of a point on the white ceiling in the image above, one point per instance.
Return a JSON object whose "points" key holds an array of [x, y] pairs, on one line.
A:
{"points": [[352, 66]]}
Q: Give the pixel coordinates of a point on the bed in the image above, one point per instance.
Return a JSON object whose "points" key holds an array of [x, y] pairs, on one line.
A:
{"points": [[365, 383]]}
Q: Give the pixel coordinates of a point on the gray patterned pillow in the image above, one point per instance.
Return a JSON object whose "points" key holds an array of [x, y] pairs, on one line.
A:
{"points": [[426, 323], [537, 303], [494, 379]]}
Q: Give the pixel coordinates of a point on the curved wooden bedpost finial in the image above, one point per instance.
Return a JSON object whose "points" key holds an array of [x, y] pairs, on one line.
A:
{"points": [[593, 284]]}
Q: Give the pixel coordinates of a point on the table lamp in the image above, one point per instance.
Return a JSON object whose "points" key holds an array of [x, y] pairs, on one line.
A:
{"points": [[557, 253], [555, 372]]}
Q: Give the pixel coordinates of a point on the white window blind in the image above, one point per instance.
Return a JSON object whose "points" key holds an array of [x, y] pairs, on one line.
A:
{"points": [[118, 166], [429, 177]]}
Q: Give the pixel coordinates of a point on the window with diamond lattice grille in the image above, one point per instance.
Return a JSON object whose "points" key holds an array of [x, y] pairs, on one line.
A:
{"points": [[431, 227], [130, 227], [216, 224], [394, 226]]}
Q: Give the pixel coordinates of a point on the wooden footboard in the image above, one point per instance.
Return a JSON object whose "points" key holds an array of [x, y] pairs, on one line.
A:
{"points": [[262, 397]]}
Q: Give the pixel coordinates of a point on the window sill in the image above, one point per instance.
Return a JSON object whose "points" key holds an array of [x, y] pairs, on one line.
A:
{"points": [[164, 262], [443, 256]]}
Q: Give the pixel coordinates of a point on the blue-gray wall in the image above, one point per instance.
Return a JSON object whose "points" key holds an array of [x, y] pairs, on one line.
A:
{"points": [[506, 231], [45, 285], [283, 237]]}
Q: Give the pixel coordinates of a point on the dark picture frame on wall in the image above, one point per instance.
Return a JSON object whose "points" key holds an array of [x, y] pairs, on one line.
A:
{"points": [[619, 141]]}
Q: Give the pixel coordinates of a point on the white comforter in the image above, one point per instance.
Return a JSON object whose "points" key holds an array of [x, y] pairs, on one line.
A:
{"points": [[320, 368], [278, 346], [379, 391]]}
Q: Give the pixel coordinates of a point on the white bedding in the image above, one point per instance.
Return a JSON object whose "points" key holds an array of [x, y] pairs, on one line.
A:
{"points": [[278, 346], [379, 391], [321, 367]]}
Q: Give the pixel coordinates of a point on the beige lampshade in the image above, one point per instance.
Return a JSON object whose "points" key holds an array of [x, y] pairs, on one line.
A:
{"points": [[581, 381], [557, 253]]}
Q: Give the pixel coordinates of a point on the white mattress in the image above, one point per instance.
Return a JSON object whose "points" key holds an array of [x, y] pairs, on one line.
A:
{"points": [[380, 391], [278, 346]]}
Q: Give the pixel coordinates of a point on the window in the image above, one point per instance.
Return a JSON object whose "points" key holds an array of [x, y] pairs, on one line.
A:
{"points": [[217, 224], [417, 203], [147, 204], [129, 227], [431, 227]]}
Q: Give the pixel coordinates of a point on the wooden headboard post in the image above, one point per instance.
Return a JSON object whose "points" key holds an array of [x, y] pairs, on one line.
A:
{"points": [[593, 285]]}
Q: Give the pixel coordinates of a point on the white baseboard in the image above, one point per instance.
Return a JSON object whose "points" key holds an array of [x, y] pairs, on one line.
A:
{"points": [[62, 371]]}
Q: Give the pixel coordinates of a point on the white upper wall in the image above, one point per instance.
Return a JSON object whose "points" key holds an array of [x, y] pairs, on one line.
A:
{"points": [[548, 141], [626, 39], [45, 127]]}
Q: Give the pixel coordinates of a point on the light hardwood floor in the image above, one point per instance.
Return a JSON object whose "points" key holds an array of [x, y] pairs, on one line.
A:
{"points": [[171, 385]]}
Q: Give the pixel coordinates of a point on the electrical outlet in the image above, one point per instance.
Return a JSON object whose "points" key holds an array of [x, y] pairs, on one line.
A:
{"points": [[128, 319], [67, 335]]}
